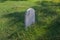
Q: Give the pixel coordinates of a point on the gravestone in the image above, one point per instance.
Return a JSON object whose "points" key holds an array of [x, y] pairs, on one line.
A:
{"points": [[29, 17]]}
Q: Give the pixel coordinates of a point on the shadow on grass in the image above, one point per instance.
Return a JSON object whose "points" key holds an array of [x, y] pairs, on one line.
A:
{"points": [[1, 1], [53, 29], [42, 13], [16, 18], [18, 0], [48, 3]]}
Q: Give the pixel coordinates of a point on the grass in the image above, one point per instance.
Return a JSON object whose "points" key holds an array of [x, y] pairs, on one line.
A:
{"points": [[47, 24]]}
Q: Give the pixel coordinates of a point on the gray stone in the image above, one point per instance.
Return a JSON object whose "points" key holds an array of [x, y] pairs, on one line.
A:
{"points": [[29, 17]]}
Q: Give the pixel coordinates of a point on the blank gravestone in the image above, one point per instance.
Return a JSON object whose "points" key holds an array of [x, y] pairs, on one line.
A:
{"points": [[29, 17]]}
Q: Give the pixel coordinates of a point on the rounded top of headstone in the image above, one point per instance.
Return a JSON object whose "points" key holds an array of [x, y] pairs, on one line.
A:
{"points": [[30, 9]]}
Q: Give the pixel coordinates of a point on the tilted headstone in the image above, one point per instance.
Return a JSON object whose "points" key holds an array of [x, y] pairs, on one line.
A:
{"points": [[29, 17]]}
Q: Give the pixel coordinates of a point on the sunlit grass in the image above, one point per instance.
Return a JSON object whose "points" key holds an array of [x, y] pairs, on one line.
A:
{"points": [[12, 25]]}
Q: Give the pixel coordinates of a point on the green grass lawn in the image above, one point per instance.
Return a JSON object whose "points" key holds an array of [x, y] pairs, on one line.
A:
{"points": [[47, 24]]}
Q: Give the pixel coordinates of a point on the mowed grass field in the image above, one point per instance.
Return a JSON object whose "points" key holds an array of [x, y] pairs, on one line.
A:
{"points": [[12, 15]]}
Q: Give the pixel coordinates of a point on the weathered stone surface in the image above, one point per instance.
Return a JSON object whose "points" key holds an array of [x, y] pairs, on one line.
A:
{"points": [[29, 17]]}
